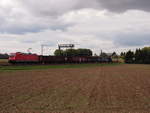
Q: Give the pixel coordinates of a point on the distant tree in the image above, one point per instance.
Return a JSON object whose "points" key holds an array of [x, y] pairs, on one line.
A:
{"points": [[73, 52], [122, 54], [146, 55], [70, 52], [84, 52], [129, 57], [114, 54], [141, 56], [58, 52], [138, 56], [4, 56]]}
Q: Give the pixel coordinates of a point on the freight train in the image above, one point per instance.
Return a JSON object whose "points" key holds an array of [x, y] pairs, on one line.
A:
{"points": [[18, 58]]}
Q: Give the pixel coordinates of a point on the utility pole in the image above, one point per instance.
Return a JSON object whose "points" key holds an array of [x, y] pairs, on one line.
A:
{"points": [[42, 48]]}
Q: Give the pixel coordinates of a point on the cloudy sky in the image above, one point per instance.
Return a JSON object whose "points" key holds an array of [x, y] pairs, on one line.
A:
{"points": [[110, 25]]}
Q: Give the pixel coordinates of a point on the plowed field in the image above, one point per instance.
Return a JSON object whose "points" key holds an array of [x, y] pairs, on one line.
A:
{"points": [[102, 89]]}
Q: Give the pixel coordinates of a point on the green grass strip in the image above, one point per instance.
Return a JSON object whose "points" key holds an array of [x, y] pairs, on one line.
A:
{"points": [[39, 67]]}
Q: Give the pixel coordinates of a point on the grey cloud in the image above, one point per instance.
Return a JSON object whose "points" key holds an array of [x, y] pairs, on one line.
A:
{"points": [[37, 15], [123, 5], [16, 19], [23, 22], [18, 30], [49, 7], [58, 7], [30, 28], [132, 39], [28, 41]]}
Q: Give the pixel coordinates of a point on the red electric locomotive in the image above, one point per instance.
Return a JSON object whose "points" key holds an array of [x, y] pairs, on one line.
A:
{"points": [[23, 58]]}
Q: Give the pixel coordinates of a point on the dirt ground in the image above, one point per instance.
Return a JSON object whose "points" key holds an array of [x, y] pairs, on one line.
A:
{"points": [[105, 89]]}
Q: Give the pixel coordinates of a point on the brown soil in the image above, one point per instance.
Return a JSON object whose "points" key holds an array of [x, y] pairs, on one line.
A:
{"points": [[108, 89]]}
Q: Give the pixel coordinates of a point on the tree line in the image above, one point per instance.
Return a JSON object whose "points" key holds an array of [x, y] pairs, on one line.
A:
{"points": [[4, 56], [140, 56], [73, 52]]}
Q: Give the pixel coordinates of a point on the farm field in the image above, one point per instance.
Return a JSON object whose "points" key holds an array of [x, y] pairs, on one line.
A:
{"points": [[121, 88]]}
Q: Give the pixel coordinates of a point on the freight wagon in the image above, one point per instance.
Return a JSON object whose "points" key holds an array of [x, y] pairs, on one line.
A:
{"points": [[52, 59]]}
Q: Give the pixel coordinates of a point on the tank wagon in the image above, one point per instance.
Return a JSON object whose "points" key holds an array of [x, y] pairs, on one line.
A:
{"points": [[39, 59]]}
